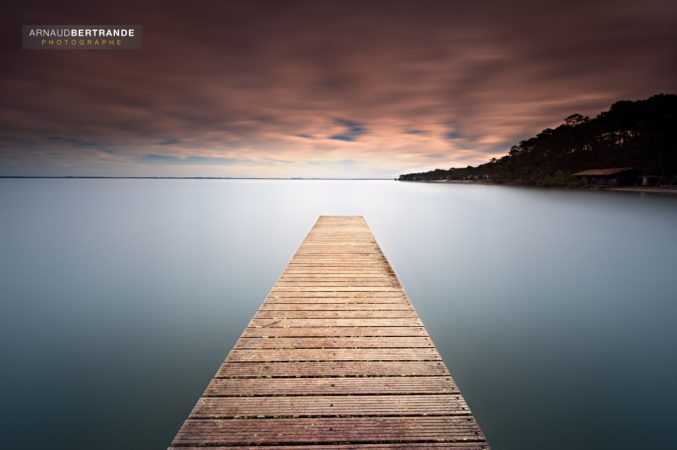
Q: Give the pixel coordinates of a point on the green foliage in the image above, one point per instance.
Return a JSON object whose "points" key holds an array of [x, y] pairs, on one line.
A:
{"points": [[641, 134]]}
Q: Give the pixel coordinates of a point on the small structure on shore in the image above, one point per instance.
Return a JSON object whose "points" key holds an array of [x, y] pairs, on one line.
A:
{"points": [[652, 180], [622, 176]]}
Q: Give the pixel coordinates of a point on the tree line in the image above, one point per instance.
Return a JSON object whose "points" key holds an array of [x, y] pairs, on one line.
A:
{"points": [[640, 134]]}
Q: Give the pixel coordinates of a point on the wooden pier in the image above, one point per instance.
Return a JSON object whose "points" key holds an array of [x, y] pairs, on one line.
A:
{"points": [[335, 358]]}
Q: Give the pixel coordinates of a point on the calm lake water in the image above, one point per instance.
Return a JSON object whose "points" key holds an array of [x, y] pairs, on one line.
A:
{"points": [[556, 311]]}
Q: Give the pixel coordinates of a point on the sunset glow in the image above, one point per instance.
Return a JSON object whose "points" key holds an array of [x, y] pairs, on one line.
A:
{"points": [[348, 89]]}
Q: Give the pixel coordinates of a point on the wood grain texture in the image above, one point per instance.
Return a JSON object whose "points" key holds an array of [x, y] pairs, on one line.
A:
{"points": [[331, 385], [336, 342], [328, 406], [334, 354], [332, 369], [335, 358], [392, 446], [327, 430]]}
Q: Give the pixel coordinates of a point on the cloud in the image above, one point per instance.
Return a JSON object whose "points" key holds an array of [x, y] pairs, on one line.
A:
{"points": [[353, 131], [207, 160], [191, 159], [415, 132], [255, 88], [79, 143], [343, 137], [169, 141]]}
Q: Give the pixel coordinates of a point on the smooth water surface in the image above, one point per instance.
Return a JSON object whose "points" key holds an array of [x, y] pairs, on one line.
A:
{"points": [[556, 311]]}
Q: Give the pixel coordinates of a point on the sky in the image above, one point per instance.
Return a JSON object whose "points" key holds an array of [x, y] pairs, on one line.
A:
{"points": [[319, 88]]}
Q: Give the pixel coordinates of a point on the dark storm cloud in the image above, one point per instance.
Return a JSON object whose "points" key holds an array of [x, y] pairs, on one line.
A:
{"points": [[415, 132], [221, 84], [353, 131], [78, 143], [191, 159], [169, 141], [202, 160]]}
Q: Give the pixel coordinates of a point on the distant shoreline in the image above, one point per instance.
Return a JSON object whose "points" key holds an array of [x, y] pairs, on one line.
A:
{"points": [[671, 190], [68, 177]]}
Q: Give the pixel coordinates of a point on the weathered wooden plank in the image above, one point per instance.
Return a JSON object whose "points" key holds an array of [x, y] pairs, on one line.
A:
{"points": [[326, 405], [334, 331], [337, 342], [344, 294], [307, 289], [338, 256], [337, 249], [304, 323], [333, 369], [334, 354], [341, 429], [294, 270], [342, 277], [345, 314], [396, 385], [335, 299], [339, 276], [400, 306], [346, 263], [390, 446], [335, 358], [334, 284]]}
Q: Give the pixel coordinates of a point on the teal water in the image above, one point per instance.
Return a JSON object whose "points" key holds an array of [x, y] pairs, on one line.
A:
{"points": [[556, 311]]}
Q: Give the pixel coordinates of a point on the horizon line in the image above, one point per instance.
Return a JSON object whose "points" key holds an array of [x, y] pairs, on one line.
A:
{"points": [[187, 177]]}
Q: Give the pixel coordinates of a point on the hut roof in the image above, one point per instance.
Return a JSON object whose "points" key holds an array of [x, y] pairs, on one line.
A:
{"points": [[603, 172]]}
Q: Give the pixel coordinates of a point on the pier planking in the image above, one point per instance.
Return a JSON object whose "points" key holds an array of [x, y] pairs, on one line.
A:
{"points": [[335, 358]]}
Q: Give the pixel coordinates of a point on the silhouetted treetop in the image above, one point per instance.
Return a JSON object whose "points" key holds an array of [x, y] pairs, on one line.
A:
{"points": [[641, 134]]}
